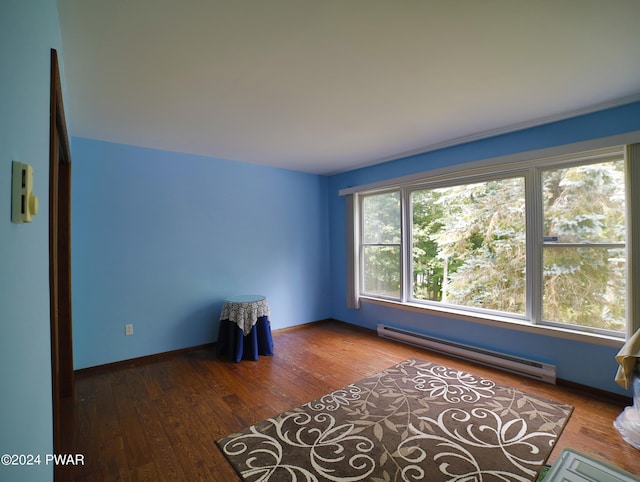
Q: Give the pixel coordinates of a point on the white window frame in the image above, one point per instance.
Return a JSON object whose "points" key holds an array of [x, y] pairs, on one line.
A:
{"points": [[528, 165]]}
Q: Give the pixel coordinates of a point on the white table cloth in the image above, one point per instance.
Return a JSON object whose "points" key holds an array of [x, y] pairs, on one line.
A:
{"points": [[245, 310]]}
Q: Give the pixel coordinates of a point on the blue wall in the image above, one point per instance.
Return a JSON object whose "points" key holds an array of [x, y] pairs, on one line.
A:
{"points": [[28, 30], [582, 363], [161, 238]]}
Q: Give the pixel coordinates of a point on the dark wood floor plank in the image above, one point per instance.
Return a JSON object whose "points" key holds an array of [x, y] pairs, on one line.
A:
{"points": [[109, 427], [136, 446], [148, 472], [162, 450], [86, 420], [113, 461], [159, 420]]}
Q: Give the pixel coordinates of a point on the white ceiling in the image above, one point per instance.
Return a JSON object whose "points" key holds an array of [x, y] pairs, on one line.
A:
{"points": [[324, 86]]}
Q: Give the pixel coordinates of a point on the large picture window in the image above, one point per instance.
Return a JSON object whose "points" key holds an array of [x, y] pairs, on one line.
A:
{"points": [[542, 242]]}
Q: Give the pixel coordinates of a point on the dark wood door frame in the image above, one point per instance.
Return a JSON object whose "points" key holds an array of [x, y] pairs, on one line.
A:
{"points": [[59, 252]]}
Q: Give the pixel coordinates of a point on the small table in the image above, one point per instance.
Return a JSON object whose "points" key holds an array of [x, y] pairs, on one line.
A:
{"points": [[245, 330]]}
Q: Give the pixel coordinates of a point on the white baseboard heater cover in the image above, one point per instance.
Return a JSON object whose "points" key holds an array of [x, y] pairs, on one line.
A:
{"points": [[513, 364]]}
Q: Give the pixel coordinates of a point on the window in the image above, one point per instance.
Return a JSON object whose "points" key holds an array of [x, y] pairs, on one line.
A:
{"points": [[584, 260], [542, 242], [381, 248], [469, 243]]}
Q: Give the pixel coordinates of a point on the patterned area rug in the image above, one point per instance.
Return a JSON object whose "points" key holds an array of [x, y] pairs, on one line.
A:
{"points": [[413, 421]]}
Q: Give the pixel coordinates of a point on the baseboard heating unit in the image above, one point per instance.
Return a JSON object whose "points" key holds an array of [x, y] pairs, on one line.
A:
{"points": [[513, 364]]}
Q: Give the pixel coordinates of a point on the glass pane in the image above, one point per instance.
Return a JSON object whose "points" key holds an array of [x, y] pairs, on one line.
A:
{"points": [[585, 203], [585, 286], [469, 245], [382, 270], [381, 218]]}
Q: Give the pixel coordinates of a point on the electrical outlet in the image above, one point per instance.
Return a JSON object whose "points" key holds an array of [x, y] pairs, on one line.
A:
{"points": [[128, 329]]}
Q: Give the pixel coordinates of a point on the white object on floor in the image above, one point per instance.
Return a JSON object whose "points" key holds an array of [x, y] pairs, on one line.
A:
{"points": [[574, 466]]}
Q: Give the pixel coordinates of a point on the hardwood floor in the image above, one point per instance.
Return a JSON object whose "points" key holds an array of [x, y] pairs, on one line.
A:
{"points": [[158, 420]]}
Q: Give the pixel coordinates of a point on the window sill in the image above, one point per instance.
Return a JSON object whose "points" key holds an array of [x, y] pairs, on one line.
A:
{"points": [[502, 322]]}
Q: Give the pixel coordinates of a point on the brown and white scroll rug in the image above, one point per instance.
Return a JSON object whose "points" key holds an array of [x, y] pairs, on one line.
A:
{"points": [[413, 421]]}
